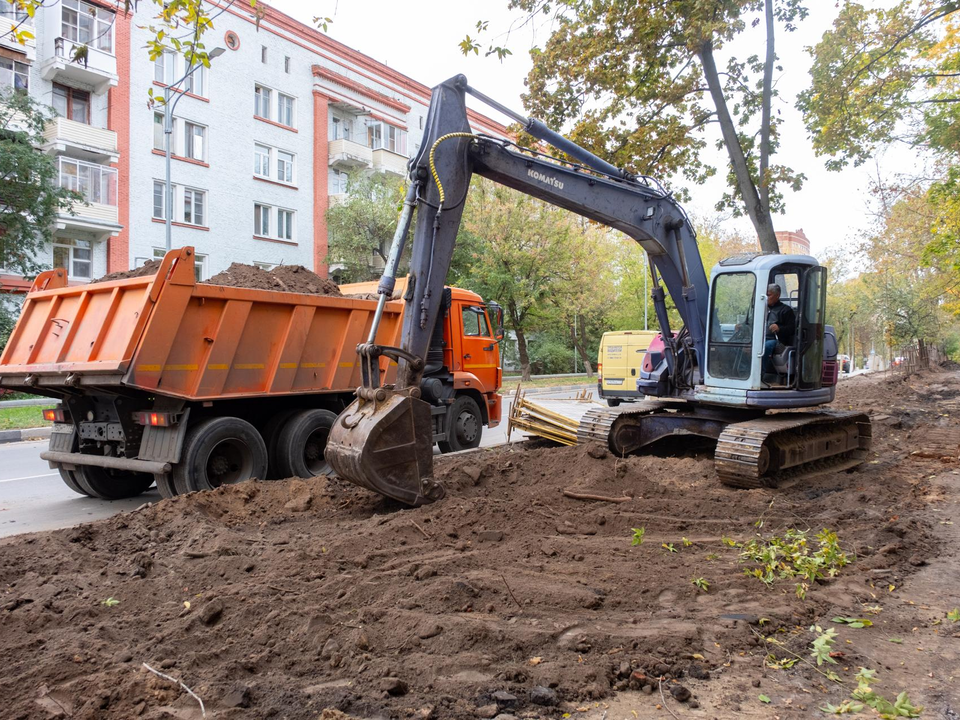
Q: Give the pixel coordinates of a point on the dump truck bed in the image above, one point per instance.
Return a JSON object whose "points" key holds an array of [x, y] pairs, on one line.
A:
{"points": [[169, 335]]}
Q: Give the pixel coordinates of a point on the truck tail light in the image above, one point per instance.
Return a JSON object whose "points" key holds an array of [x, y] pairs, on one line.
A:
{"points": [[830, 373], [600, 372], [56, 415], [156, 419]]}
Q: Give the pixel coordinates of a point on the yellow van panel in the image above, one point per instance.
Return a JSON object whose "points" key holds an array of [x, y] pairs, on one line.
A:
{"points": [[621, 355]]}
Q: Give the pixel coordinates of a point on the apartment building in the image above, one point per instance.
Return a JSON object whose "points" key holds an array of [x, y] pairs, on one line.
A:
{"points": [[262, 142]]}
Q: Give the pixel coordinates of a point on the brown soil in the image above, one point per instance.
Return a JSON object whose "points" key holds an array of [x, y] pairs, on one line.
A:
{"points": [[310, 596], [150, 267], [285, 278]]}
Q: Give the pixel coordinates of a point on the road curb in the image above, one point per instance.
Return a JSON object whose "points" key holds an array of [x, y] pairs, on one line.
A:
{"points": [[12, 436]]}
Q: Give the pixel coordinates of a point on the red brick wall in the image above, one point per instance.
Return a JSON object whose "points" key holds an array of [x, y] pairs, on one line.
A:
{"points": [[320, 197], [118, 120]]}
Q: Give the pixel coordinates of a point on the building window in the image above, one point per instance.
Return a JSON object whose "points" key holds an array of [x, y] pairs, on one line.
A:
{"points": [[261, 161], [87, 24], [161, 73], [285, 110], [338, 182], [159, 200], [196, 82], [285, 224], [97, 183], [14, 74], [286, 65], [387, 137], [263, 53], [71, 103], [285, 166], [199, 263], [194, 137], [261, 101], [158, 139], [261, 220], [341, 127], [193, 206], [14, 13], [74, 256]]}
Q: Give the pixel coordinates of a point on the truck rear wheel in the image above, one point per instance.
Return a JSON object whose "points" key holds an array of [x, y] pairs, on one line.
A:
{"points": [[271, 434], [220, 451], [165, 485], [108, 484], [300, 445], [70, 479], [464, 426]]}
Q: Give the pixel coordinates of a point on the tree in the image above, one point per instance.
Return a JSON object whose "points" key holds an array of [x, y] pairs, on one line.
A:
{"points": [[881, 76], [30, 194], [519, 248], [362, 225], [639, 82]]}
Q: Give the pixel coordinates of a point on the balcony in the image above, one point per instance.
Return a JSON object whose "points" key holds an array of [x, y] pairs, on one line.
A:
{"points": [[337, 198], [79, 140], [97, 218], [7, 23], [387, 161], [98, 70], [349, 155]]}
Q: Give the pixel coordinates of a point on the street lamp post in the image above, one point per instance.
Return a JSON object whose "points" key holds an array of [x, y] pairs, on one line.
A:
{"points": [[168, 109]]}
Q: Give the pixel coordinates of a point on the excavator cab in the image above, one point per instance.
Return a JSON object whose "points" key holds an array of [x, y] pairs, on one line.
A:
{"points": [[746, 362]]}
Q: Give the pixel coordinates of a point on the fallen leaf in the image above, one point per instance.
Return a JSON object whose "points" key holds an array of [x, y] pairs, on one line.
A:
{"points": [[763, 698]]}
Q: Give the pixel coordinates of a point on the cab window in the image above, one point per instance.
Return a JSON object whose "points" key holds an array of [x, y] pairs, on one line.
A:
{"points": [[731, 326], [475, 321]]}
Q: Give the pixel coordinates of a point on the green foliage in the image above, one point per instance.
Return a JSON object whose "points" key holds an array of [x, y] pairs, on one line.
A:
{"points": [[638, 534], [791, 556], [110, 602], [899, 708], [637, 84], [852, 622], [823, 644], [954, 615], [29, 184], [847, 707], [669, 547], [764, 699], [362, 225], [701, 583]]}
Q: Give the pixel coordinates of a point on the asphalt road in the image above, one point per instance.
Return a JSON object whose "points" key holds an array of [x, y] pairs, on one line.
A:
{"points": [[34, 498]]}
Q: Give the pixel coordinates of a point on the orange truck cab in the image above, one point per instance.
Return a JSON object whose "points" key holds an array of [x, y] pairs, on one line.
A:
{"points": [[190, 386]]}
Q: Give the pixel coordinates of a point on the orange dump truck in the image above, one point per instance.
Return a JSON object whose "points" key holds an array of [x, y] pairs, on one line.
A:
{"points": [[190, 386]]}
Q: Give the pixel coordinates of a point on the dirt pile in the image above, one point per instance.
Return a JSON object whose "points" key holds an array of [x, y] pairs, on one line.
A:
{"points": [[150, 267], [288, 598], [286, 278]]}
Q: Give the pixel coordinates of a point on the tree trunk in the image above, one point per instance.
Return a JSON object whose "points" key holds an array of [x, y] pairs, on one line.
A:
{"points": [[765, 108], [922, 358], [578, 344], [758, 212], [521, 341]]}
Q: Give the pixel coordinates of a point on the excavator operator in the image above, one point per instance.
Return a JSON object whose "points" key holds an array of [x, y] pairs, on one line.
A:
{"points": [[781, 326]]}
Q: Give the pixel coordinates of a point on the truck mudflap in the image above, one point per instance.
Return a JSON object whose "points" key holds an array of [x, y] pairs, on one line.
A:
{"points": [[385, 444], [113, 463]]}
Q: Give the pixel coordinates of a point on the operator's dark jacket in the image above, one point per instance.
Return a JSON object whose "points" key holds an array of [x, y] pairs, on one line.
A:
{"points": [[783, 316]]}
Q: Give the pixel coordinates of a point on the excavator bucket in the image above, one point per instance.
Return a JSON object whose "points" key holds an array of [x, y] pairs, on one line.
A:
{"points": [[386, 446]]}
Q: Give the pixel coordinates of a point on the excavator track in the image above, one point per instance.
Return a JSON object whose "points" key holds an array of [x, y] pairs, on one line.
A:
{"points": [[774, 449], [597, 425], [762, 452]]}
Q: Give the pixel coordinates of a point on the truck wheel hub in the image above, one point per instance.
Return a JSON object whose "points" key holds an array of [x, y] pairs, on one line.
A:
{"points": [[467, 427]]}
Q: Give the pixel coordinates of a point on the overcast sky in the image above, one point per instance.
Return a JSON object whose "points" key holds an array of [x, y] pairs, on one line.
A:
{"points": [[421, 40]]}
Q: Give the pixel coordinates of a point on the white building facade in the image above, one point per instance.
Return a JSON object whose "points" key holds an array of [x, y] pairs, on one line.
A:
{"points": [[262, 141]]}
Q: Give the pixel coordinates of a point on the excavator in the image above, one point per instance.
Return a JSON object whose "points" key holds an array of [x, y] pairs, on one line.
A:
{"points": [[709, 378]]}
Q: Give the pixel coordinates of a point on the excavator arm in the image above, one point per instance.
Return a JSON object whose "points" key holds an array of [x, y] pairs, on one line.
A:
{"points": [[383, 441]]}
